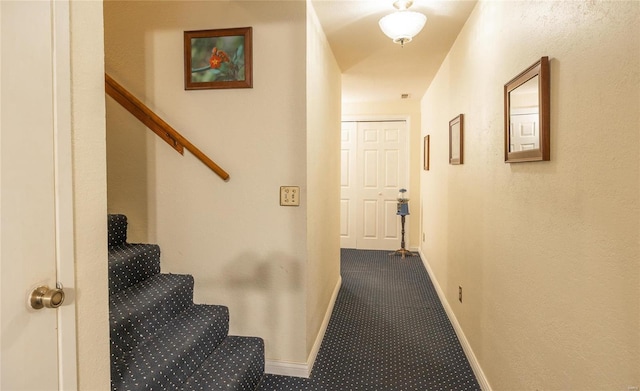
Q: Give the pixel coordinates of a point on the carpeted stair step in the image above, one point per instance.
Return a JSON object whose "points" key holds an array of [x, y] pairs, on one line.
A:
{"points": [[160, 339], [138, 312], [130, 264], [174, 352], [236, 365], [117, 228]]}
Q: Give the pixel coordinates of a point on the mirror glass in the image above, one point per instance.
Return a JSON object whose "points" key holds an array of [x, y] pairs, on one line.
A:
{"points": [[524, 127], [456, 143], [526, 115]]}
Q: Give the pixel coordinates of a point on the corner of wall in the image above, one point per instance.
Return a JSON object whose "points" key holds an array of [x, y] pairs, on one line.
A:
{"points": [[90, 204], [323, 92]]}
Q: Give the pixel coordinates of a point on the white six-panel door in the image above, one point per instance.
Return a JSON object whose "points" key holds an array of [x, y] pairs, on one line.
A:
{"points": [[348, 192], [374, 168], [37, 347], [525, 132]]}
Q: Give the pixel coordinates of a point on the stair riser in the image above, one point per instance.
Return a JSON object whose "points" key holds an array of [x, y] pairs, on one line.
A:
{"points": [[240, 359], [117, 229], [136, 314], [192, 338], [130, 264]]}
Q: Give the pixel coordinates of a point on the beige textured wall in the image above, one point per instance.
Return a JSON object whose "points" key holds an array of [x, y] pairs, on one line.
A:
{"points": [[244, 250], [323, 176], [395, 109], [90, 195], [547, 253]]}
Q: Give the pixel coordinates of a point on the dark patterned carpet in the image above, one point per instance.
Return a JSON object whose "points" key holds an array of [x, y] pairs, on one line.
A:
{"points": [[388, 331]]}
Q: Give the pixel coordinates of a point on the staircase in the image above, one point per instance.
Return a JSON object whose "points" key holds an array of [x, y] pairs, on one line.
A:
{"points": [[160, 339]]}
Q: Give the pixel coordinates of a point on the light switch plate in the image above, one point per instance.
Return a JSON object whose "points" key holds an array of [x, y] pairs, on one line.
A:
{"points": [[289, 196]]}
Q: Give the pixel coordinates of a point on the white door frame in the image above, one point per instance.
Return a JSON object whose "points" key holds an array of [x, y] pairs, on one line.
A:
{"points": [[383, 118]]}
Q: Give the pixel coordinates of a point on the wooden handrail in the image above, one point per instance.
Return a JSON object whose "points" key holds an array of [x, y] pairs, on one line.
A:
{"points": [[157, 125]]}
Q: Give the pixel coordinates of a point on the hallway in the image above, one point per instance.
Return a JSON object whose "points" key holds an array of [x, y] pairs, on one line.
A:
{"points": [[388, 331]]}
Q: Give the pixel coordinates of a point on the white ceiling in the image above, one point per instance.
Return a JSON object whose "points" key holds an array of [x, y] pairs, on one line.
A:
{"points": [[373, 67]]}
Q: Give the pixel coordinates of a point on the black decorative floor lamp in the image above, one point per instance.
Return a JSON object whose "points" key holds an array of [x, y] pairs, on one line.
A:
{"points": [[403, 212]]}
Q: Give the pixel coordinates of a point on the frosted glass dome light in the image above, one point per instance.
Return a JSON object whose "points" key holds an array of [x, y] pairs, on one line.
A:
{"points": [[402, 25]]}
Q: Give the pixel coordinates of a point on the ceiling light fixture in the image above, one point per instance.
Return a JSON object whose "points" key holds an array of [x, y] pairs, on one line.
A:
{"points": [[402, 25]]}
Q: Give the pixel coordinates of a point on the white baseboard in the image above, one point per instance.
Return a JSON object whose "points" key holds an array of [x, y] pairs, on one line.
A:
{"points": [[275, 367], [283, 368], [323, 327], [473, 361]]}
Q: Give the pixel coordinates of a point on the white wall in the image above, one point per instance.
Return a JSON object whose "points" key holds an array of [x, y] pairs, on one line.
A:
{"points": [[90, 195], [396, 109], [547, 253], [244, 249], [323, 176]]}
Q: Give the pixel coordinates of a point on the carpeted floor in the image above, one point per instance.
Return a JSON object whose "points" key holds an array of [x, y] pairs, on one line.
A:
{"points": [[388, 332]]}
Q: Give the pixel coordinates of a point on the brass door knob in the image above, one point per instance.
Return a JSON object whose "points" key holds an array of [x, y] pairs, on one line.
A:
{"points": [[43, 296]]}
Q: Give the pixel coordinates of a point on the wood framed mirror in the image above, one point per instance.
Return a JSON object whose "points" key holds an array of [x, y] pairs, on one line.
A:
{"points": [[527, 115]]}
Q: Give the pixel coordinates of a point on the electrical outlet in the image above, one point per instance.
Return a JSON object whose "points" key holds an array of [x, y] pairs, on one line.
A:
{"points": [[460, 294], [423, 236], [289, 195]]}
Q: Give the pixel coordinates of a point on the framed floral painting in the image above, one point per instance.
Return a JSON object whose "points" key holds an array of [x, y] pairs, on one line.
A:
{"points": [[218, 59]]}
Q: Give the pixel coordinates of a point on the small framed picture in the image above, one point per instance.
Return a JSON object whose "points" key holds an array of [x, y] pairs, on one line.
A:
{"points": [[218, 59], [426, 153], [456, 140]]}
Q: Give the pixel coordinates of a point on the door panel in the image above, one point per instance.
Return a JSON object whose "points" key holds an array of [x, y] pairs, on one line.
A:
{"points": [[348, 186], [381, 169], [391, 166], [370, 219], [344, 218], [34, 132], [344, 164], [374, 168], [370, 168], [384, 150], [391, 220], [524, 132]]}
